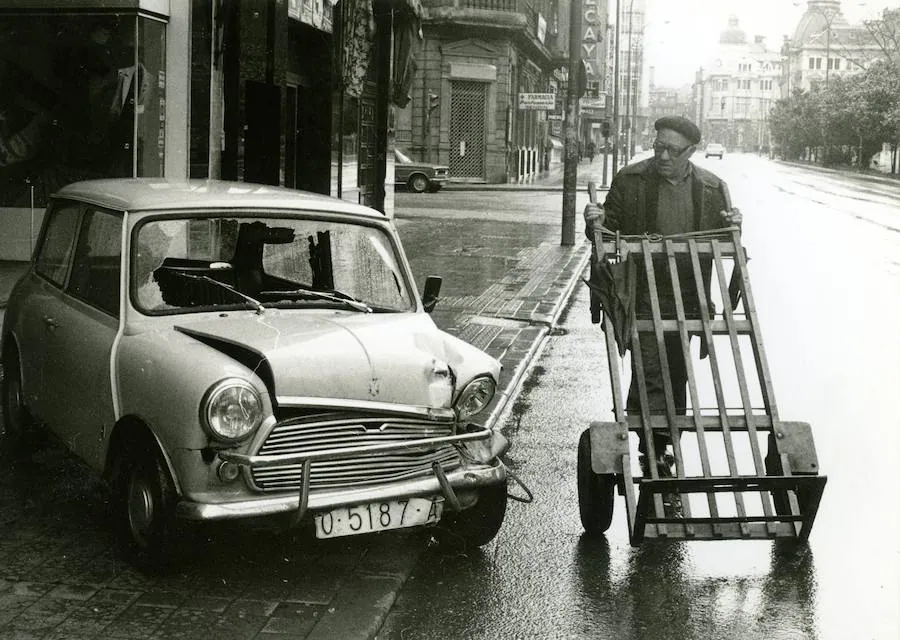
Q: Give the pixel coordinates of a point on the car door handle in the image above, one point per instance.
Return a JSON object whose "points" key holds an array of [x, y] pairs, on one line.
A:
{"points": [[51, 323]]}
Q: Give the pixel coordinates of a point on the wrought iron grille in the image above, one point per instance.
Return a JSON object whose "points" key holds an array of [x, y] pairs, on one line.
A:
{"points": [[467, 135]]}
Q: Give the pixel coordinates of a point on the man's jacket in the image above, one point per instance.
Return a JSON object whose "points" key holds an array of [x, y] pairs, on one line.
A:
{"points": [[631, 207], [631, 204]]}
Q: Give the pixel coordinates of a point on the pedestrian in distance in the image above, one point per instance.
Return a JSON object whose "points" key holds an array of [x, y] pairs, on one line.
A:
{"points": [[665, 195], [591, 150]]}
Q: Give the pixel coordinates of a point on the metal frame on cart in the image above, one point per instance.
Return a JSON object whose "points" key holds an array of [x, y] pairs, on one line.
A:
{"points": [[753, 494]]}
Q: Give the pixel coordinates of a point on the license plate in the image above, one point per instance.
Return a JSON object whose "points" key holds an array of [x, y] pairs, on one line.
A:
{"points": [[378, 516]]}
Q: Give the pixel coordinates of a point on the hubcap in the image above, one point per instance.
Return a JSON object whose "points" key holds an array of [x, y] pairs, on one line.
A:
{"points": [[14, 402], [141, 507]]}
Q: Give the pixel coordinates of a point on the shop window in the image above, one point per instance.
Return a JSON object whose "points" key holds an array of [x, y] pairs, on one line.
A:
{"points": [[83, 96]]}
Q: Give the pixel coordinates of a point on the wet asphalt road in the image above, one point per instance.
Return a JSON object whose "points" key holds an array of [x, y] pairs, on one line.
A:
{"points": [[825, 270]]}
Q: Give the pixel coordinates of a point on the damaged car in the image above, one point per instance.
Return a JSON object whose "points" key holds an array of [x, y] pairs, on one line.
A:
{"points": [[227, 351]]}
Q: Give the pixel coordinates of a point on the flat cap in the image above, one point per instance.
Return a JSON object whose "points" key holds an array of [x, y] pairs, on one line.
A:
{"points": [[682, 125]]}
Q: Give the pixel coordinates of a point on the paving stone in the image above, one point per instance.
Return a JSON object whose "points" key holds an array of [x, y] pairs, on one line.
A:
{"points": [[73, 591], [44, 614], [243, 607], [170, 599], [32, 589], [295, 619], [138, 622]]}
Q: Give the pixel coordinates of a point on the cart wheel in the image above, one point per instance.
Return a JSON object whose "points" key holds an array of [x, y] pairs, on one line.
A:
{"points": [[595, 491]]}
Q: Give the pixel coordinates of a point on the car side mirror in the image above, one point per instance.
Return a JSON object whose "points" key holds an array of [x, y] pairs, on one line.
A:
{"points": [[430, 295]]}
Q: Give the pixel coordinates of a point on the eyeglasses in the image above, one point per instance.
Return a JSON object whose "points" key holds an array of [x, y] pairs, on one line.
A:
{"points": [[674, 152]]}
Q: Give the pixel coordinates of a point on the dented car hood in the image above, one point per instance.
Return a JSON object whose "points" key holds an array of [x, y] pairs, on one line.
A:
{"points": [[398, 358]]}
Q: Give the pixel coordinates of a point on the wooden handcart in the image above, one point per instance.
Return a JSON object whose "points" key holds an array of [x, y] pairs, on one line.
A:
{"points": [[739, 471]]}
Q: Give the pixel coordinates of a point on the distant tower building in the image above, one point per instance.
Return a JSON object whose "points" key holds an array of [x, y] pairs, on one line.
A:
{"points": [[824, 45], [735, 91]]}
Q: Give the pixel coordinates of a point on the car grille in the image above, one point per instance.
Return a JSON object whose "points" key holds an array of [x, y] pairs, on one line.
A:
{"points": [[306, 434]]}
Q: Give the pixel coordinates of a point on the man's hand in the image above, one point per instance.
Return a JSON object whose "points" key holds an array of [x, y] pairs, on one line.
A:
{"points": [[733, 218], [593, 214]]}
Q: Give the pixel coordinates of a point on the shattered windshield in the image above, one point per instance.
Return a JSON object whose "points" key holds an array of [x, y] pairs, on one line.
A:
{"points": [[204, 264]]}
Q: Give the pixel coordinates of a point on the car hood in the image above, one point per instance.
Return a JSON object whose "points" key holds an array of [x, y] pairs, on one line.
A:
{"points": [[398, 358]]}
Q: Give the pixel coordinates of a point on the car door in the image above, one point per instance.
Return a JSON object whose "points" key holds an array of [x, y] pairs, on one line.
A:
{"points": [[53, 259], [85, 321]]}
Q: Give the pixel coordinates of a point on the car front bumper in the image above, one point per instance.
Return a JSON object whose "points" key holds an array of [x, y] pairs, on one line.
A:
{"points": [[456, 486]]}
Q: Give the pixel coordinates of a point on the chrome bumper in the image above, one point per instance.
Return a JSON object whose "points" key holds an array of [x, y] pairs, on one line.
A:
{"points": [[471, 475]]}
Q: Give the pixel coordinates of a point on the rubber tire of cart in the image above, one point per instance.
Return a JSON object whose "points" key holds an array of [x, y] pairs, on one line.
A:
{"points": [[479, 524], [780, 498], [596, 492]]}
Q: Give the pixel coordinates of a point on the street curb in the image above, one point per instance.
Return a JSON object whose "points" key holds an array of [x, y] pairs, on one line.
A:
{"points": [[499, 412]]}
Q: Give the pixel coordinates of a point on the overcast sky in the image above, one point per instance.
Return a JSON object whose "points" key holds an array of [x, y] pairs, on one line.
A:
{"points": [[681, 35]]}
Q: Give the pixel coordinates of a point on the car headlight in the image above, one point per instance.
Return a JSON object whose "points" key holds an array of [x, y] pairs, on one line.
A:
{"points": [[475, 397], [231, 410]]}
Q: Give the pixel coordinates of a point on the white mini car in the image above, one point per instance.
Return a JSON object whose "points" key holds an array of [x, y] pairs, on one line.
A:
{"points": [[225, 351]]}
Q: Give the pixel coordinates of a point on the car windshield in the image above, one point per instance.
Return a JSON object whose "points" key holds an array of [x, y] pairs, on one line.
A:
{"points": [[208, 264], [401, 157]]}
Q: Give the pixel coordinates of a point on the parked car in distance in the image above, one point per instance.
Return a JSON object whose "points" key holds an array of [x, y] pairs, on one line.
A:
{"points": [[715, 149], [418, 176], [226, 351]]}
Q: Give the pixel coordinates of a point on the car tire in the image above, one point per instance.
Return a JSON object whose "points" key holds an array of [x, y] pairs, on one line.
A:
{"points": [[477, 525], [417, 183], [144, 500], [18, 424], [596, 492]]}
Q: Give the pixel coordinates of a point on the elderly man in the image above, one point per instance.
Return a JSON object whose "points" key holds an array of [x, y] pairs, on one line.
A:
{"points": [[665, 195]]}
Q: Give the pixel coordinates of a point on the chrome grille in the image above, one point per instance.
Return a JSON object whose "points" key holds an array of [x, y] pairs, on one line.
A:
{"points": [[336, 431]]}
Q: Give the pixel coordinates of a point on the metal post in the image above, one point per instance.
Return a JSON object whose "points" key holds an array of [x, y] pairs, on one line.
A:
{"points": [[615, 120], [629, 116], [570, 168]]}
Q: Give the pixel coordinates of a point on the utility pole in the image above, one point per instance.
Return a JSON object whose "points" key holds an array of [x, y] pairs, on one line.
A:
{"points": [[573, 90], [615, 121]]}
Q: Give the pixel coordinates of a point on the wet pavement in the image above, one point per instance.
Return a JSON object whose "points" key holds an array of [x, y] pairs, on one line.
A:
{"points": [[61, 576]]}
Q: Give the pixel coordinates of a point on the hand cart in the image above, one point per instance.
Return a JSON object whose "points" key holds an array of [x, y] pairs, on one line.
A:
{"points": [[724, 485]]}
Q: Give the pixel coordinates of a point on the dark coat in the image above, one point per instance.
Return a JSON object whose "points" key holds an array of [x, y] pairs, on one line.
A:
{"points": [[631, 204], [631, 208]]}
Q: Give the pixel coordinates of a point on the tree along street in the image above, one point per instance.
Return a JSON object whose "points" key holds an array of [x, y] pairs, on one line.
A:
{"points": [[825, 270]]}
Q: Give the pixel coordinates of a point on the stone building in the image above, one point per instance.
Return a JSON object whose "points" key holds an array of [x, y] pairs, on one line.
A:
{"points": [[481, 64], [735, 91], [824, 45]]}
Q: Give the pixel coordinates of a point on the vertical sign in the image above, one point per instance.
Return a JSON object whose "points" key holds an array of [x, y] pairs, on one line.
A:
{"points": [[593, 47]]}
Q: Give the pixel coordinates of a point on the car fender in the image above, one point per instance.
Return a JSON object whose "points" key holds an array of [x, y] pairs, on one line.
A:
{"points": [[162, 378]]}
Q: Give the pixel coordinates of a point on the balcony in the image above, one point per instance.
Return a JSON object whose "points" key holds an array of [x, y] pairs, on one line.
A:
{"points": [[519, 18]]}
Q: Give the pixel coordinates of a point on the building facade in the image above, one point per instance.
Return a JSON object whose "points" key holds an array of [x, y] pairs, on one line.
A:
{"points": [[823, 46], [488, 97], [283, 92], [735, 91]]}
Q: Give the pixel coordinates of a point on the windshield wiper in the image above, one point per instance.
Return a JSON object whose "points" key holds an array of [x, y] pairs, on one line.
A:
{"points": [[333, 296], [256, 303]]}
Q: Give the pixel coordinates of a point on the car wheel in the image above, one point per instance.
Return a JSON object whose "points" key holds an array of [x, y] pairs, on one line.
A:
{"points": [[477, 525], [417, 183], [17, 421], [595, 491], [144, 501]]}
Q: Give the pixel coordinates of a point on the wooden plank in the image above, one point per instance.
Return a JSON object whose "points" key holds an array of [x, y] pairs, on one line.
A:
{"points": [[615, 377], [724, 420], [645, 418], [718, 327], [710, 423], [762, 365], [685, 340]]}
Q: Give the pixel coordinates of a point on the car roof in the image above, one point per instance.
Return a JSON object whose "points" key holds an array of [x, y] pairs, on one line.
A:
{"points": [[156, 194]]}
